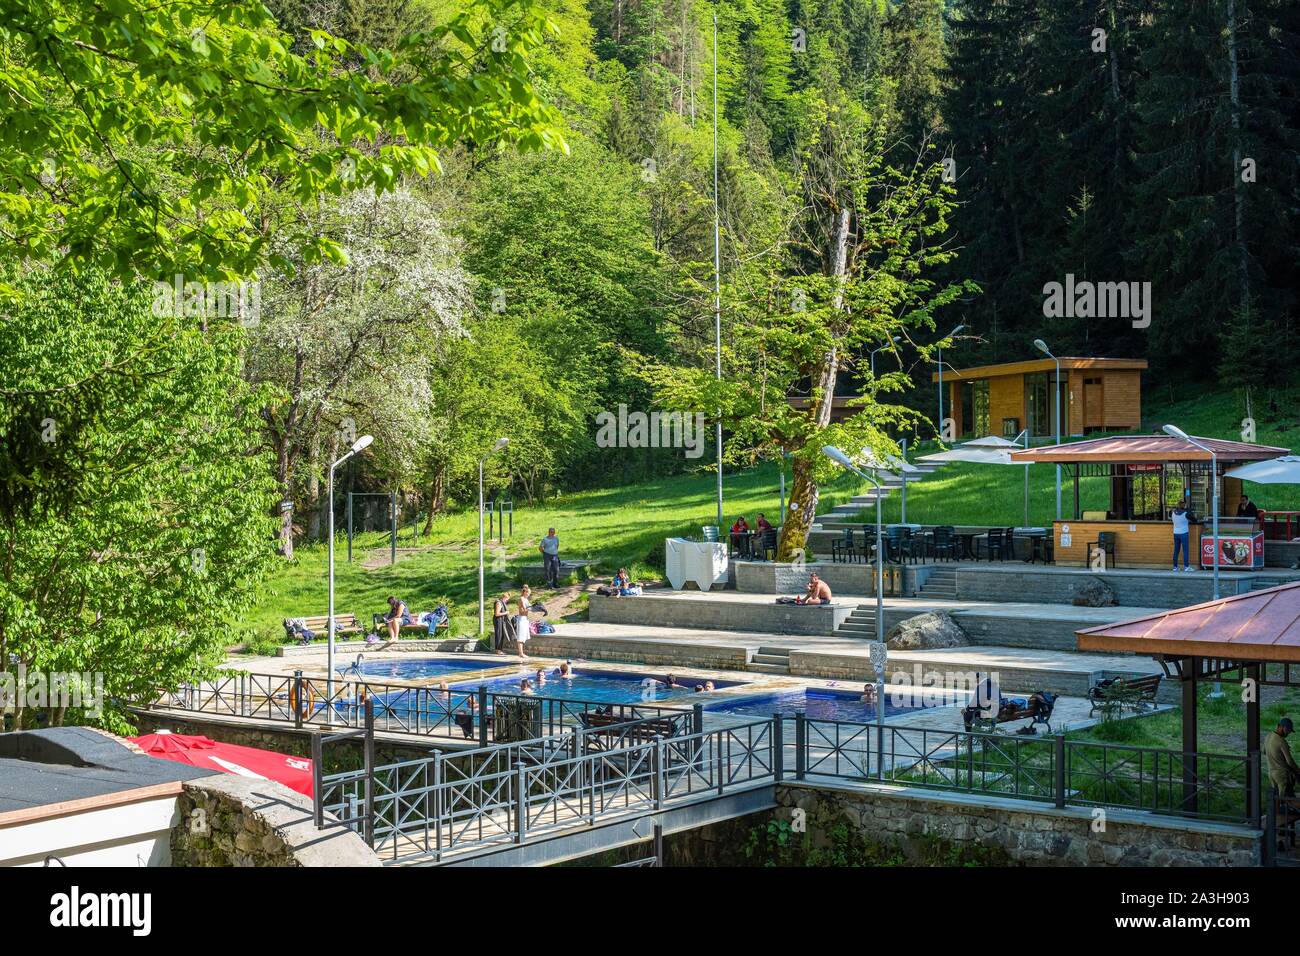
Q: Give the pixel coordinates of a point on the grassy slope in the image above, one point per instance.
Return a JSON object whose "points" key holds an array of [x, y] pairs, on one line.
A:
{"points": [[626, 526]]}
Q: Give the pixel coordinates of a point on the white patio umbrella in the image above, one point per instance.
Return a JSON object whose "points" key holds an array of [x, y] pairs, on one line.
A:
{"points": [[990, 450], [991, 441], [1275, 471]]}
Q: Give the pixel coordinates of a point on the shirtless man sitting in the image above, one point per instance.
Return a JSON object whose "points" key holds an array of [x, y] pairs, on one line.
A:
{"points": [[819, 592]]}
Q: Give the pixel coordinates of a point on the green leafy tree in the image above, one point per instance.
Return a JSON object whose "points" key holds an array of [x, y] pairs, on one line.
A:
{"points": [[132, 559], [145, 138]]}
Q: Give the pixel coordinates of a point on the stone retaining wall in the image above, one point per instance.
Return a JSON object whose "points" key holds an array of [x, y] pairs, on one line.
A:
{"points": [[1051, 586], [1042, 836], [710, 614], [227, 820]]}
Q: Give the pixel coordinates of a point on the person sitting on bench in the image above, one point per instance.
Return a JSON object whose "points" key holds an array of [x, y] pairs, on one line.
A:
{"points": [[819, 592], [398, 616]]}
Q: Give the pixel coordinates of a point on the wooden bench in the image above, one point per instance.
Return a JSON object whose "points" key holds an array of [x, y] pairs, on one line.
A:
{"points": [[380, 625], [343, 624], [1133, 693], [1037, 709]]}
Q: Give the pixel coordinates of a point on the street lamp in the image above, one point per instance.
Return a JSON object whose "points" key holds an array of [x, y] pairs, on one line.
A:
{"points": [[1042, 347], [843, 460], [500, 443], [1177, 432], [361, 444], [940, 361], [893, 339]]}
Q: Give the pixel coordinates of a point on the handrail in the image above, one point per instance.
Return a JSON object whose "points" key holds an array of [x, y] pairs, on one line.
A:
{"points": [[399, 708]]}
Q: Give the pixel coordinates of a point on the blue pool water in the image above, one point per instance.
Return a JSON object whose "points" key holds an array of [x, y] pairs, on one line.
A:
{"points": [[818, 704], [417, 667], [606, 687]]}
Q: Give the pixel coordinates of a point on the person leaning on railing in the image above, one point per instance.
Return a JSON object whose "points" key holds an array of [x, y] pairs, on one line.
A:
{"points": [[1282, 769]]}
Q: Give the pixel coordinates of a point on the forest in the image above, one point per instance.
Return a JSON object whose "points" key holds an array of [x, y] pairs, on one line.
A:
{"points": [[463, 220]]}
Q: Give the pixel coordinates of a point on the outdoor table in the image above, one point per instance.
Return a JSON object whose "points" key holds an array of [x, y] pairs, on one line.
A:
{"points": [[966, 540], [742, 543]]}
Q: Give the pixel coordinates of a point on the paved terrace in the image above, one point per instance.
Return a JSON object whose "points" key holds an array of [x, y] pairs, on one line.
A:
{"points": [[1019, 624]]}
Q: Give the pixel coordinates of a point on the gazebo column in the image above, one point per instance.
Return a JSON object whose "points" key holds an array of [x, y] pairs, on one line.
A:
{"points": [[1191, 668], [1253, 802]]}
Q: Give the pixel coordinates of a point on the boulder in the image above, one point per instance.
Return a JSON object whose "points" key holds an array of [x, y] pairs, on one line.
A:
{"points": [[929, 630], [1094, 592]]}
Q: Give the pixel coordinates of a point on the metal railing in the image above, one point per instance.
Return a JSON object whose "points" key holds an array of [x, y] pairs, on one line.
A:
{"points": [[509, 794], [1049, 769], [398, 708]]}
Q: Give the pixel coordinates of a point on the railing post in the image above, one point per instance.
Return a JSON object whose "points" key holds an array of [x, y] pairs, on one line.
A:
{"points": [[1253, 809], [243, 694], [317, 777], [1060, 769], [1269, 856], [296, 700], [482, 715], [778, 747], [697, 719], [369, 746], [521, 804], [657, 768], [437, 805], [800, 745], [880, 747]]}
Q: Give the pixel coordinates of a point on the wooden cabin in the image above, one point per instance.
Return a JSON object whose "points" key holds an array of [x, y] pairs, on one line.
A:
{"points": [[1097, 394]]}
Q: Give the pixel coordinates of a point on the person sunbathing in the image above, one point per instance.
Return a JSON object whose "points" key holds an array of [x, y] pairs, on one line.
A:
{"points": [[818, 592]]}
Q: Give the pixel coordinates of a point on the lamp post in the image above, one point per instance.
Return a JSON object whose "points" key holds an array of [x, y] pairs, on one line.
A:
{"points": [[717, 271], [359, 445], [500, 443], [889, 345], [1177, 432], [1056, 402], [843, 460], [940, 361]]}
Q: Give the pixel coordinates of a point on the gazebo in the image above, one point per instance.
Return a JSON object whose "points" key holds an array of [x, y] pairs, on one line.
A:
{"points": [[1253, 636], [1148, 475]]}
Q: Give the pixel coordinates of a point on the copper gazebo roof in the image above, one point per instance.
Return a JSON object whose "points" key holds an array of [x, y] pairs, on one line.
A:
{"points": [[1259, 626], [1146, 448]]}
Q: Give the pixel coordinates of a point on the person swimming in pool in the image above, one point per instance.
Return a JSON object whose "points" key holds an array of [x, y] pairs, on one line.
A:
{"points": [[539, 679], [708, 686], [565, 671], [525, 686], [868, 694]]}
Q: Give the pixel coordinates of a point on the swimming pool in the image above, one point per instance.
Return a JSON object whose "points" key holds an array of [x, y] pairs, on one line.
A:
{"points": [[417, 668], [606, 687], [825, 704]]}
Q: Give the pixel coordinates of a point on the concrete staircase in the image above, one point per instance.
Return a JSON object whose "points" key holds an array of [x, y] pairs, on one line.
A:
{"points": [[867, 499], [941, 584], [861, 623], [771, 660]]}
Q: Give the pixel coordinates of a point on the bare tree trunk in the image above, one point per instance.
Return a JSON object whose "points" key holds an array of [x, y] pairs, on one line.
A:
{"points": [[437, 498], [805, 494], [313, 491], [284, 480], [1238, 195]]}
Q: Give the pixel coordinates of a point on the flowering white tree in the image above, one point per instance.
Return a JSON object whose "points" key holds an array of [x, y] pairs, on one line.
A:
{"points": [[347, 343]]}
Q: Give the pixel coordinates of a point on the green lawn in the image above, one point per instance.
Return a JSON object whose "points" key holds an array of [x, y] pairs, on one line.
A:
{"points": [[627, 526]]}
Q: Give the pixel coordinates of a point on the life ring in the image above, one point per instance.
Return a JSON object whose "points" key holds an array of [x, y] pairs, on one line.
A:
{"points": [[296, 703]]}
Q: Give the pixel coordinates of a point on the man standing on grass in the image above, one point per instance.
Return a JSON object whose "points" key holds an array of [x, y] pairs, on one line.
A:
{"points": [[550, 548]]}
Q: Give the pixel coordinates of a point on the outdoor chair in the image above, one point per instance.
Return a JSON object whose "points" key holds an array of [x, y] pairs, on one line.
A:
{"points": [[843, 550], [742, 545], [999, 545], [765, 545], [944, 543], [1105, 543]]}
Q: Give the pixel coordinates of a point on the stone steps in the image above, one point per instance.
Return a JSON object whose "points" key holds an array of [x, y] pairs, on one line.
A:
{"points": [[771, 660]]}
